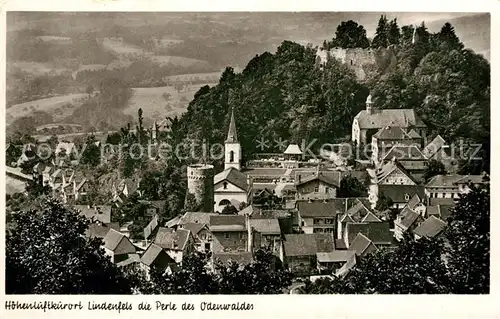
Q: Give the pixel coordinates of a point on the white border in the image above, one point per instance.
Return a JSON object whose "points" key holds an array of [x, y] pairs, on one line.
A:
{"points": [[292, 306]]}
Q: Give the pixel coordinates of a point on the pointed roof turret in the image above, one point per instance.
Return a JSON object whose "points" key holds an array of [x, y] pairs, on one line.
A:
{"points": [[232, 136]]}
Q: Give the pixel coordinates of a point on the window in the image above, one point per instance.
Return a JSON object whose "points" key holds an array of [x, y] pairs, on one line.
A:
{"points": [[317, 221], [327, 190], [225, 185], [328, 221], [316, 189], [226, 235], [224, 202], [241, 235], [231, 156]]}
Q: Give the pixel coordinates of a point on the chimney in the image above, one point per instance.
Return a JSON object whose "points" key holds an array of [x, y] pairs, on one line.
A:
{"points": [[369, 104]]}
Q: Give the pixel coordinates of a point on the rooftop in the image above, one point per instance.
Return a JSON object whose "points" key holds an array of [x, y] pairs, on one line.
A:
{"points": [[378, 233], [389, 117], [431, 227], [169, 238], [100, 213], [233, 176], [335, 256], [401, 193], [293, 149], [317, 208], [266, 226], [307, 244]]}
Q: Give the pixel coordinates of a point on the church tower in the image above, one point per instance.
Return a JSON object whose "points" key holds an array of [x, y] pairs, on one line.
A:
{"points": [[232, 147]]}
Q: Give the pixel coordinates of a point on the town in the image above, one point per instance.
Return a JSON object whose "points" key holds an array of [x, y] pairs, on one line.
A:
{"points": [[317, 215]]}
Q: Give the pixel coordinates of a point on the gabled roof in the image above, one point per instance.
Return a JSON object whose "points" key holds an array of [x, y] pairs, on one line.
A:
{"points": [[80, 185], [361, 212], [335, 256], [408, 218], [293, 149], [389, 117], [398, 193], [232, 135], [100, 231], [331, 178], [360, 244], [431, 227], [444, 180], [195, 217], [316, 208], [150, 228], [152, 253], [233, 176], [391, 166], [169, 238], [404, 153], [266, 226], [474, 179], [100, 213], [391, 133], [227, 223], [112, 239], [414, 201], [433, 147], [194, 228], [379, 233], [413, 134], [307, 244]]}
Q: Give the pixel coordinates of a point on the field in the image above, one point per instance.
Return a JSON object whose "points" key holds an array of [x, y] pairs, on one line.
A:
{"points": [[53, 105], [212, 77], [159, 102], [120, 48], [176, 60], [34, 68]]}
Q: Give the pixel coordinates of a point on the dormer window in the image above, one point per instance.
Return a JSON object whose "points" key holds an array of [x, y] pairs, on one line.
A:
{"points": [[407, 197]]}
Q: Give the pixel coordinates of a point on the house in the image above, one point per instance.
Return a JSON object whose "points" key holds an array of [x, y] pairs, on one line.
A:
{"points": [[176, 242], [322, 184], [151, 228], [125, 188], [443, 186], [410, 157], [316, 216], [230, 233], [118, 246], [406, 221], [359, 212], [99, 230], [390, 136], [379, 233], [156, 257], [330, 262], [369, 121], [430, 228], [267, 233], [393, 173], [231, 187], [201, 235], [195, 217], [400, 195], [300, 250], [362, 245]]}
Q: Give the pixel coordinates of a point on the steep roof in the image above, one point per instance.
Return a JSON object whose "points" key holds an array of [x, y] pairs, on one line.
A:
{"points": [[413, 134], [390, 167], [391, 133], [233, 176], [232, 135], [360, 212], [379, 233], [389, 117], [434, 146], [100, 231], [267, 226], [431, 227], [194, 228], [331, 178], [293, 149], [414, 201], [408, 217], [169, 238], [398, 193], [317, 208], [100, 213], [112, 239], [405, 152], [227, 223], [360, 244], [152, 253], [150, 228], [307, 244]]}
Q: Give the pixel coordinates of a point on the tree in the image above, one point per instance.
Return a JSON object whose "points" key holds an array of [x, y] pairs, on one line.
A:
{"points": [[92, 154], [351, 187], [393, 32], [383, 203], [448, 38], [468, 237], [381, 38], [89, 89], [47, 253], [350, 35], [433, 168]]}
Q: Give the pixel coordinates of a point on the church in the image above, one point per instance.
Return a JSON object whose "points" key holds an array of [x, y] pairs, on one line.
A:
{"points": [[231, 186]]}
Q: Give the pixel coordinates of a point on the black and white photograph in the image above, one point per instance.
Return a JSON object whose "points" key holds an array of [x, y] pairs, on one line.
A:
{"points": [[247, 153]]}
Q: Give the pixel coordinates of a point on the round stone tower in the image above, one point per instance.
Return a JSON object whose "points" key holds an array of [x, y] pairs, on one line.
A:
{"points": [[201, 185]]}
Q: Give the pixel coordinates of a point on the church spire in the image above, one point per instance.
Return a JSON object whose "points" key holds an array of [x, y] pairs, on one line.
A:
{"points": [[232, 136]]}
